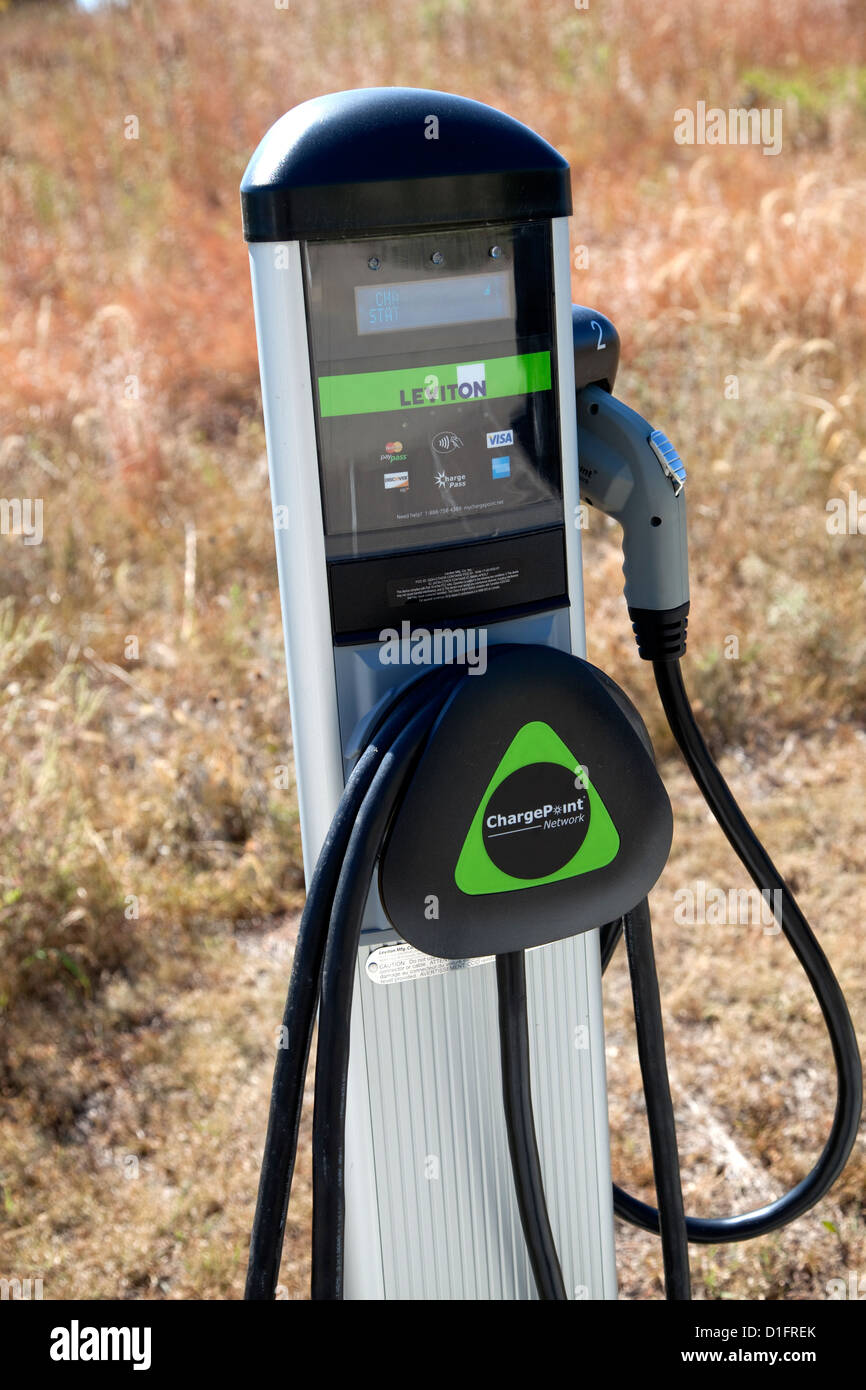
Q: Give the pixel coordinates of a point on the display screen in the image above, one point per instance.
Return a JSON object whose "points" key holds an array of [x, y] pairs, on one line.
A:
{"points": [[435, 388], [428, 303]]}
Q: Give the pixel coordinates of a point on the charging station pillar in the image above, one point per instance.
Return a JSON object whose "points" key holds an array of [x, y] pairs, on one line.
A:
{"points": [[411, 279]]}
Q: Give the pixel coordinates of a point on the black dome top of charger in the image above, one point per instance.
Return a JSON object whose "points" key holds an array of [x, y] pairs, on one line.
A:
{"points": [[362, 162]]}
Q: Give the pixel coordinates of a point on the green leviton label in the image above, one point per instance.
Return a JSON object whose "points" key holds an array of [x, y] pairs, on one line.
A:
{"points": [[408, 388], [540, 820]]}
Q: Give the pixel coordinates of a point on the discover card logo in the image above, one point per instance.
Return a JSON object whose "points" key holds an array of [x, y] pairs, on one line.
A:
{"points": [[77, 1343]]}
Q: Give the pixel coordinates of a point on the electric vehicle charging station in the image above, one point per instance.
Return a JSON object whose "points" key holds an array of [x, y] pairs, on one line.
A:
{"points": [[435, 411]]}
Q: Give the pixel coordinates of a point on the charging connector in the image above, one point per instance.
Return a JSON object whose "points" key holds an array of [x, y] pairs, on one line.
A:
{"points": [[633, 473]]}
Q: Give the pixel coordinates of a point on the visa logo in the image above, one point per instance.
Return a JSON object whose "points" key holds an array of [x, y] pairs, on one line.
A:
{"points": [[500, 437]]}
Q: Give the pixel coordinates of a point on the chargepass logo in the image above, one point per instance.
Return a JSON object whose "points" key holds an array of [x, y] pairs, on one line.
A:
{"points": [[449, 480]]}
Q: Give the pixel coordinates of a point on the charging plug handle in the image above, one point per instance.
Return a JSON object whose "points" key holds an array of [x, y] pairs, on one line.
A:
{"points": [[633, 473], [596, 348]]}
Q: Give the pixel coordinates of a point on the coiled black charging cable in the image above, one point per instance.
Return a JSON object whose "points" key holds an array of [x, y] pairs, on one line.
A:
{"points": [[825, 986], [287, 1091], [327, 946]]}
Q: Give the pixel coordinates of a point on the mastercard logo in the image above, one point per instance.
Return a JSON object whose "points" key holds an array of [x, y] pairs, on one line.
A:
{"points": [[394, 448]]}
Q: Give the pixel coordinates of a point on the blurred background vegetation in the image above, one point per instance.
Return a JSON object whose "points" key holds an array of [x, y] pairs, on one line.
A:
{"points": [[150, 860]]}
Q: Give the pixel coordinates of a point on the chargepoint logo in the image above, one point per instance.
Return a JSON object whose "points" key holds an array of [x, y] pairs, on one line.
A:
{"points": [[535, 821], [77, 1343], [438, 646], [540, 820], [550, 816]]}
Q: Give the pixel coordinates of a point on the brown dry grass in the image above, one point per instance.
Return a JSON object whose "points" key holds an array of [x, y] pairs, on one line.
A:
{"points": [[137, 1050]]}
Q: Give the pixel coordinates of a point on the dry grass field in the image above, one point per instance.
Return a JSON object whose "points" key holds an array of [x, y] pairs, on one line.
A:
{"points": [[149, 864]]}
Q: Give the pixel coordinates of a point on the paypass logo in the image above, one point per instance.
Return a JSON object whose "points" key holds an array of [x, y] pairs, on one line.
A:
{"points": [[394, 453], [500, 437]]}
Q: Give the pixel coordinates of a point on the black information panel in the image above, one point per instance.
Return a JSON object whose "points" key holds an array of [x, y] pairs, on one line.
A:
{"points": [[519, 572], [434, 381]]}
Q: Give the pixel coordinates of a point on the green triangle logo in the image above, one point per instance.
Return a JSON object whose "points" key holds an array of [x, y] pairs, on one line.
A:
{"points": [[540, 820]]}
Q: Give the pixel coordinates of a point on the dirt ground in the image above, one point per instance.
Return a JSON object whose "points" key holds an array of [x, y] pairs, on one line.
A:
{"points": [[157, 1131]]}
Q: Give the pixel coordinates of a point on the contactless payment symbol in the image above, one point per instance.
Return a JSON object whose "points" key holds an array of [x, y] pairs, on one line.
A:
{"points": [[446, 442]]}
